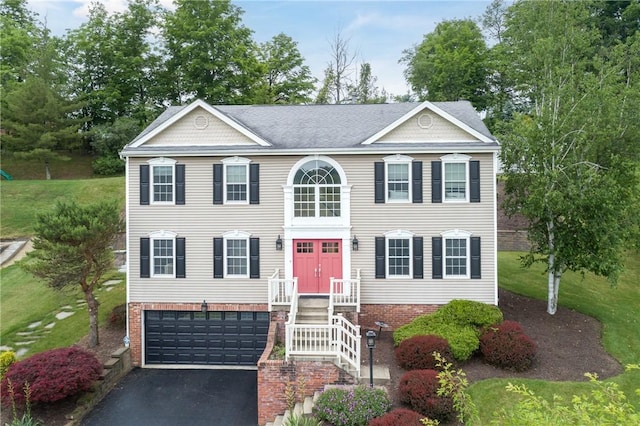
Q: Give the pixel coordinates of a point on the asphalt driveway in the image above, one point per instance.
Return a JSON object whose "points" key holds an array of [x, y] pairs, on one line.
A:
{"points": [[163, 397]]}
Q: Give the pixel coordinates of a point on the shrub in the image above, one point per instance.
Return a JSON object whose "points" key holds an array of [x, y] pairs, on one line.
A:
{"points": [[419, 389], [351, 407], [416, 353], [6, 359], [108, 166], [507, 346], [463, 340], [399, 416], [118, 316], [468, 312], [52, 375]]}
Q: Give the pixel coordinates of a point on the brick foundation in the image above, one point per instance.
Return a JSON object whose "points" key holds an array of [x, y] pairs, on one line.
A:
{"points": [[136, 310], [393, 315], [274, 375]]}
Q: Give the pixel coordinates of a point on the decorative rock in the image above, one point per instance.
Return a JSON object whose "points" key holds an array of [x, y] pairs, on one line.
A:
{"points": [[27, 343], [35, 324], [24, 333], [6, 348], [21, 352], [63, 315], [111, 282], [50, 325]]}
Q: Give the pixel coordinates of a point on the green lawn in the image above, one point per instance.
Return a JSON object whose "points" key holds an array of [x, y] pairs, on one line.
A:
{"points": [[77, 167], [617, 308], [22, 200], [26, 301]]}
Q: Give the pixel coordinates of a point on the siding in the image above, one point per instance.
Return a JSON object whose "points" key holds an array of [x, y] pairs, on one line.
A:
{"points": [[440, 130], [185, 132], [199, 221]]}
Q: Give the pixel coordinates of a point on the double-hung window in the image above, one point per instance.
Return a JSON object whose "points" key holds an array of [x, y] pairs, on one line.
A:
{"points": [[162, 255], [236, 180], [236, 255], [460, 179], [398, 182], [162, 181], [399, 254], [456, 254]]}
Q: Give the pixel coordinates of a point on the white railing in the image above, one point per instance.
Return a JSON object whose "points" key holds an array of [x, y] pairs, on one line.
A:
{"points": [[340, 340], [344, 292], [293, 310], [280, 290]]}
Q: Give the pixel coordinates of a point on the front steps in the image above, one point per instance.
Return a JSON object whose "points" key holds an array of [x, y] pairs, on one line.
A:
{"points": [[312, 310], [305, 408]]}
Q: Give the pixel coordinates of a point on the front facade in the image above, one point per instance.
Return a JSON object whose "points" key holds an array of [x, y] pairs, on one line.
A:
{"points": [[224, 202]]}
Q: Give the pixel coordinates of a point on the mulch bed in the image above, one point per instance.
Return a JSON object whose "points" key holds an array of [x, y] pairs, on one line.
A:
{"points": [[568, 346]]}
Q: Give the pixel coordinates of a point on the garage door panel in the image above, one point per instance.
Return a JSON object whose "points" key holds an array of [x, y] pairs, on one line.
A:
{"points": [[214, 338]]}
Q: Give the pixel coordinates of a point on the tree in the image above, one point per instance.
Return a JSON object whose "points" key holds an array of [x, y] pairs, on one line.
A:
{"points": [[72, 246], [449, 64], [286, 79], [19, 32], [365, 90], [562, 157], [211, 55], [337, 75]]}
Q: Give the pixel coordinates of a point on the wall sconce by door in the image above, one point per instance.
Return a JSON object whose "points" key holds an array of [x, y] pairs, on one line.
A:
{"points": [[279, 243], [355, 243]]}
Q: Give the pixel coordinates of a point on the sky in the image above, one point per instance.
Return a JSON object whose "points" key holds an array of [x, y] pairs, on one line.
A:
{"points": [[378, 31]]}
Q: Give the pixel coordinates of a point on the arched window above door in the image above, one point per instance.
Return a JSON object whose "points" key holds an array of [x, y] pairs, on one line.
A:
{"points": [[317, 190]]}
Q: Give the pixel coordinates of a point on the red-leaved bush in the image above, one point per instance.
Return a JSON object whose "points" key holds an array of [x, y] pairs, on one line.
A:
{"points": [[399, 416], [506, 345], [52, 375], [416, 353], [419, 389]]}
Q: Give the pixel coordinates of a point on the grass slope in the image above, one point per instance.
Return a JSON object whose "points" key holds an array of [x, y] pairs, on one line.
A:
{"points": [[22, 201], [616, 307]]}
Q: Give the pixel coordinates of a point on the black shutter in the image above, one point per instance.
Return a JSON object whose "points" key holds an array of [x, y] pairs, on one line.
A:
{"points": [[217, 183], [254, 257], [218, 260], [475, 258], [418, 258], [378, 169], [181, 270], [436, 181], [474, 181], [145, 261], [380, 257], [254, 183], [416, 181], [436, 257], [144, 184], [180, 184]]}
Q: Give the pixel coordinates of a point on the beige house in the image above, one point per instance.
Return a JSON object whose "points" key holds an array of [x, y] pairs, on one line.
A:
{"points": [[242, 215]]}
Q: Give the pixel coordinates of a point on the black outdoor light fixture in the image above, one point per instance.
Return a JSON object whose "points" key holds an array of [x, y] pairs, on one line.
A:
{"points": [[355, 243], [371, 343], [203, 307], [279, 243]]}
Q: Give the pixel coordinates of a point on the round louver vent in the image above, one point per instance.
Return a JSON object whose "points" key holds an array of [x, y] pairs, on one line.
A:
{"points": [[425, 121], [201, 122]]}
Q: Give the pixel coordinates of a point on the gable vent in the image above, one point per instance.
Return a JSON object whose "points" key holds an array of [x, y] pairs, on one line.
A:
{"points": [[425, 121], [201, 122]]}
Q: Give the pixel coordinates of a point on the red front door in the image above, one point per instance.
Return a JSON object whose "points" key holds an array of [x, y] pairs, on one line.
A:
{"points": [[315, 262]]}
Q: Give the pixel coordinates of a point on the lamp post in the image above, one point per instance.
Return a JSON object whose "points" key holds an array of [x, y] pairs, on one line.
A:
{"points": [[371, 343]]}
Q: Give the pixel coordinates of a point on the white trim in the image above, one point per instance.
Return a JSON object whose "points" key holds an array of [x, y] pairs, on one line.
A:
{"points": [[162, 162], [398, 234], [236, 235], [199, 103], [404, 160], [456, 234], [427, 105], [235, 161], [127, 184], [456, 158], [164, 236], [495, 230]]}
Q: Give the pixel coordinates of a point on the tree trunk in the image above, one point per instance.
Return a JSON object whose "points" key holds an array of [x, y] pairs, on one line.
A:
{"points": [[47, 173], [92, 305], [553, 282]]}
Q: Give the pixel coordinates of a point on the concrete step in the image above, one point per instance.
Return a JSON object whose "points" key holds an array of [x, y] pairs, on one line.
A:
{"points": [[313, 302], [312, 319], [307, 406]]}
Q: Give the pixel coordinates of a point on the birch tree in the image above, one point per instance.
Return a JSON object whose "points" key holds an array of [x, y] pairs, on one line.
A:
{"points": [[563, 162]]}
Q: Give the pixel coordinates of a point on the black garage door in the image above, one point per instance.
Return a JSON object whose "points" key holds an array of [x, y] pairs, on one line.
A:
{"points": [[212, 338]]}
